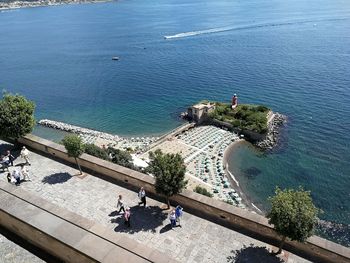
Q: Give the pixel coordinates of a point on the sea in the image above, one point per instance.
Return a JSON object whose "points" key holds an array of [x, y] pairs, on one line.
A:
{"points": [[292, 56]]}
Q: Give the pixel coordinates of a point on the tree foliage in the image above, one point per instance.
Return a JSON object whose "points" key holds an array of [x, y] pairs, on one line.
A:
{"points": [[169, 172], [74, 146], [17, 116], [293, 214], [245, 116]]}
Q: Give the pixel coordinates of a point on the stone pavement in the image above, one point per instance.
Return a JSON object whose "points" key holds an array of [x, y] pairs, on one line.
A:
{"points": [[198, 240]]}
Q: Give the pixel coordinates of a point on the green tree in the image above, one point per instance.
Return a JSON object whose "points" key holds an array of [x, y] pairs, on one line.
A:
{"points": [[96, 151], [74, 146], [293, 214], [16, 116], [169, 172]]}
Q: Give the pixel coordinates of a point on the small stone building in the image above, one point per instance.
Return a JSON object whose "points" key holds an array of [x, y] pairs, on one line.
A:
{"points": [[199, 112]]}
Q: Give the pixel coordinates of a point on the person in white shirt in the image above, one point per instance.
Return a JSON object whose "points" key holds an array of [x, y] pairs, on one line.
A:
{"points": [[24, 154], [25, 173]]}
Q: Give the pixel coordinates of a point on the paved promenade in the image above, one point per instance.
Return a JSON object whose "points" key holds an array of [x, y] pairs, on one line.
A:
{"points": [[13, 253], [198, 240]]}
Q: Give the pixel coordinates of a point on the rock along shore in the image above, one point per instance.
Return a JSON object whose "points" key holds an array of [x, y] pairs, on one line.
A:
{"points": [[4, 5], [78, 130], [272, 136]]}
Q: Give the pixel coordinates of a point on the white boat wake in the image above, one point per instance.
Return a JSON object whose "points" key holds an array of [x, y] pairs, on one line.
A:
{"points": [[251, 26], [200, 32]]}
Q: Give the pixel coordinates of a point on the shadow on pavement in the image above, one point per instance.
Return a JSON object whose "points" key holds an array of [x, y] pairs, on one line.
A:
{"points": [[6, 146], [253, 254], [57, 178], [142, 219], [165, 228]]}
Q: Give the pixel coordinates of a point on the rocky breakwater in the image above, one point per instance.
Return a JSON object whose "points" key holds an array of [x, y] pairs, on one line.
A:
{"points": [[78, 130], [276, 121], [11, 4]]}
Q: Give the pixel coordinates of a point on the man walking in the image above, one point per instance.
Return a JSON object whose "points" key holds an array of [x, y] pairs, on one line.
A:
{"points": [[24, 155]]}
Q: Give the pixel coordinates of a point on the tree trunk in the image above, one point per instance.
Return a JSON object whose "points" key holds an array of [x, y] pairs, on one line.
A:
{"points": [[168, 202], [76, 160], [281, 245]]}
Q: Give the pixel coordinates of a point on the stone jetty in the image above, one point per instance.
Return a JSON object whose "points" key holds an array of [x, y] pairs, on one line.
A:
{"points": [[78, 130], [271, 139]]}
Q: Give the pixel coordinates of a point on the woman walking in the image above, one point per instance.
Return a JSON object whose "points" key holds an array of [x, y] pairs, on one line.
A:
{"points": [[120, 204]]}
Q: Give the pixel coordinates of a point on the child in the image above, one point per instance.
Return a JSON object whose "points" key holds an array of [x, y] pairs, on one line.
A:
{"points": [[172, 218], [127, 216]]}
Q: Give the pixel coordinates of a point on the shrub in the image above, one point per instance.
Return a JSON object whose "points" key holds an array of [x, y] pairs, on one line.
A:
{"points": [[96, 151], [202, 191]]}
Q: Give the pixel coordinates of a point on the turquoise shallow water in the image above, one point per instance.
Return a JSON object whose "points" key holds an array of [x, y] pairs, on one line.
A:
{"points": [[291, 56]]}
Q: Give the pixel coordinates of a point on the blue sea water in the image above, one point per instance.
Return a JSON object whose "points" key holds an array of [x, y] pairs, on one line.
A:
{"points": [[293, 56]]}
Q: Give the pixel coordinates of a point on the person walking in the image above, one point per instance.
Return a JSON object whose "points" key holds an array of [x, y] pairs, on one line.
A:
{"points": [[172, 218], [178, 214], [10, 157], [142, 196], [127, 217], [25, 173], [120, 204], [9, 178], [17, 175], [24, 155]]}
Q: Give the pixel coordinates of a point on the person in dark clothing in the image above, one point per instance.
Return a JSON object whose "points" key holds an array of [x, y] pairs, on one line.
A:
{"points": [[9, 177], [10, 157], [142, 196]]}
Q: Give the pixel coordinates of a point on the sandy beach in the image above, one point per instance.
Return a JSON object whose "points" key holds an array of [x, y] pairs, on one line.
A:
{"points": [[233, 180]]}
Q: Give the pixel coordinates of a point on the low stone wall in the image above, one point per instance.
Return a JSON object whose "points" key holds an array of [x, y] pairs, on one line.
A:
{"points": [[315, 248], [66, 235]]}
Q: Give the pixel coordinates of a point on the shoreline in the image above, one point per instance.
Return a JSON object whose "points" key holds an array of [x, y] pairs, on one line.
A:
{"points": [[44, 3], [233, 180]]}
